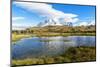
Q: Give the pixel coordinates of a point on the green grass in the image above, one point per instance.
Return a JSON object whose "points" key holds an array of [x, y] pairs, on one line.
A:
{"points": [[51, 34], [16, 37], [73, 54]]}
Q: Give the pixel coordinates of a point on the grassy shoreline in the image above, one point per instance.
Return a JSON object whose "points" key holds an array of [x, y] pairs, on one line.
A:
{"points": [[66, 34], [73, 54], [16, 37]]}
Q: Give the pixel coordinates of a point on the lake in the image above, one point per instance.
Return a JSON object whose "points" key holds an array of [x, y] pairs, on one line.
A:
{"points": [[48, 46]]}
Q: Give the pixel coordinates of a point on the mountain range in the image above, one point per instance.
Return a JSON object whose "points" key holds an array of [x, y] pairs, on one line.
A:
{"points": [[52, 22]]}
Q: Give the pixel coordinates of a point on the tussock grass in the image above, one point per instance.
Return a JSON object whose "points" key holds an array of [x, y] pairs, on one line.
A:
{"points": [[73, 54]]}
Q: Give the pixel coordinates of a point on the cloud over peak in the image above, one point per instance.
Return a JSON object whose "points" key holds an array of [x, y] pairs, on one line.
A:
{"points": [[47, 11]]}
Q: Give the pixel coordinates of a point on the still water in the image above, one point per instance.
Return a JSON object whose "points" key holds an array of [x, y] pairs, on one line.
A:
{"points": [[48, 46]]}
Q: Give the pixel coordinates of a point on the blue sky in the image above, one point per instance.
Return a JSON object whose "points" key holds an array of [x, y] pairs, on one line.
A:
{"points": [[30, 14], [82, 11]]}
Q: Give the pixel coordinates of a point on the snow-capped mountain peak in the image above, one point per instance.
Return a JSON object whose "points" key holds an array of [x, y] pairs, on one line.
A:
{"points": [[50, 22]]}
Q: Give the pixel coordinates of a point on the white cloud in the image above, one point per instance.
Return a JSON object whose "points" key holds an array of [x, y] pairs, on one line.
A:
{"points": [[83, 24], [18, 28], [92, 22], [17, 18], [21, 26], [71, 20], [46, 10], [16, 25], [87, 23]]}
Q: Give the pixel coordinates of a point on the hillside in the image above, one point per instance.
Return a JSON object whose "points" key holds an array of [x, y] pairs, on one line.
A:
{"points": [[58, 30], [63, 29]]}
